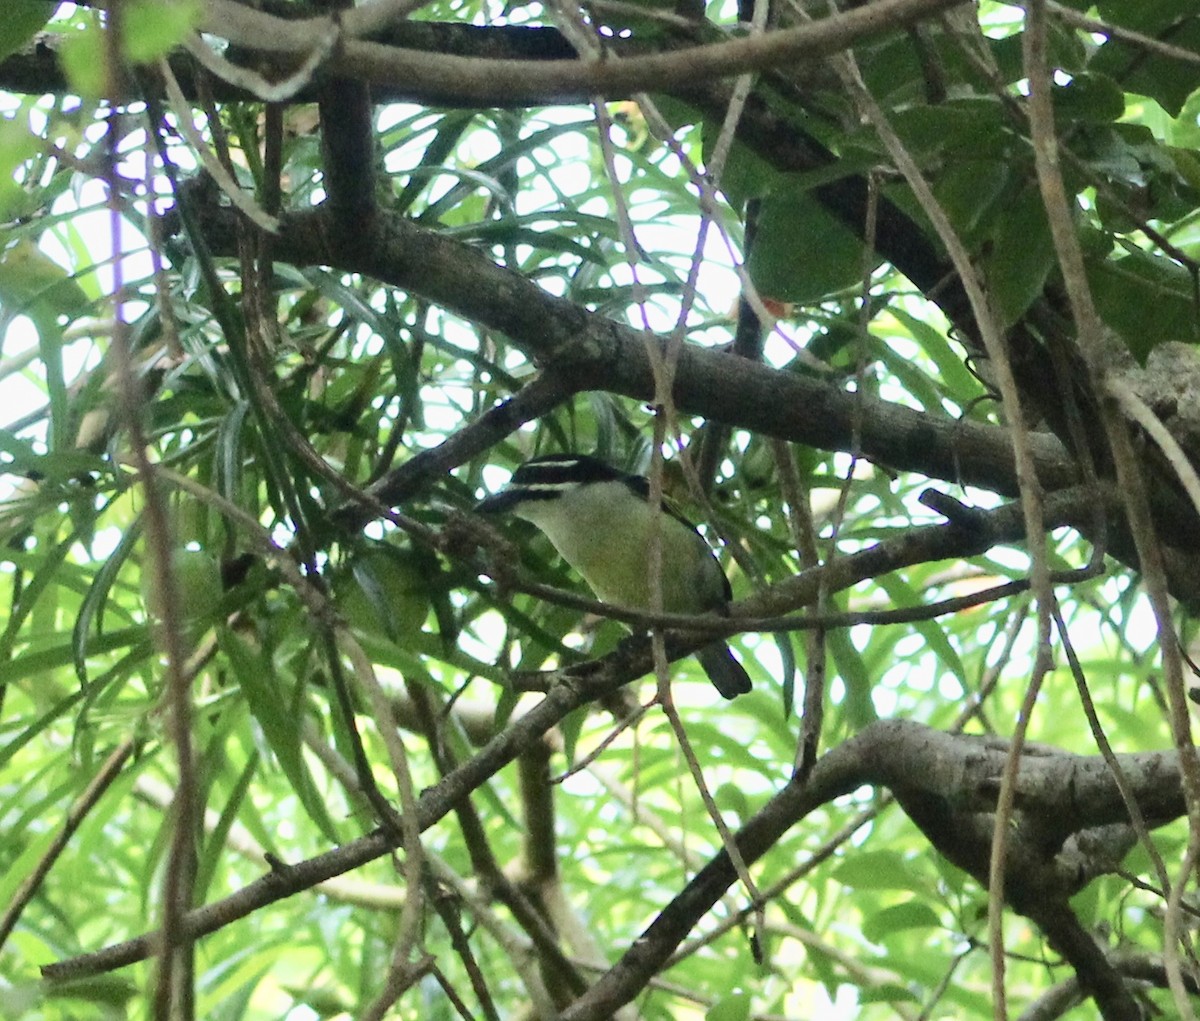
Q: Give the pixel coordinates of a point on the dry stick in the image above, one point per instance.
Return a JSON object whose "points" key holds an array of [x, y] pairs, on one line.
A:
{"points": [[402, 971], [804, 537], [1136, 817], [1137, 410], [448, 913], [360, 893], [174, 995], [721, 627], [1090, 332], [75, 815], [517, 947], [349, 778], [318, 606], [535, 399], [663, 369], [241, 200], [346, 774], [664, 396], [1055, 1002], [1030, 490], [487, 872], [445, 984], [622, 725]]}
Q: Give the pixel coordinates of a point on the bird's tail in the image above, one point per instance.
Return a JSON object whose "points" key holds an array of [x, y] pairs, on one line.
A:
{"points": [[729, 677]]}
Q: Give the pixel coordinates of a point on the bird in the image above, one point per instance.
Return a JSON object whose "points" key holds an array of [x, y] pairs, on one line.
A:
{"points": [[600, 521]]}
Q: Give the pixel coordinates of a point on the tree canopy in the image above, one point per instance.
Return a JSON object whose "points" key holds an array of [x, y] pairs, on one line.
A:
{"points": [[897, 299]]}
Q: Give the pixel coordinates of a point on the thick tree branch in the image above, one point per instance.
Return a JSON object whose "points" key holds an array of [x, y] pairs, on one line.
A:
{"points": [[923, 768], [581, 349], [447, 79]]}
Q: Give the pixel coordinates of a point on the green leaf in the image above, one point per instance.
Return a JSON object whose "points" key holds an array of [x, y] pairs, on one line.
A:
{"points": [[746, 174], [33, 283], [1021, 254], [153, 29], [82, 58], [22, 20], [390, 592], [1088, 97], [902, 594], [877, 870], [859, 706], [214, 846], [92, 608], [18, 144], [1146, 298], [970, 192], [802, 253], [887, 993], [279, 720], [734, 1007], [913, 914], [967, 129], [1164, 78], [109, 991]]}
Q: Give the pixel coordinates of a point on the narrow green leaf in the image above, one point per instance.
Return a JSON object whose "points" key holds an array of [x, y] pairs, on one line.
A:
{"points": [[279, 721], [214, 844], [92, 608]]}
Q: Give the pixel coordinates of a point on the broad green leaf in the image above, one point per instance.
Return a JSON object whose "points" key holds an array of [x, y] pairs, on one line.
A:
{"points": [[732, 1007], [1146, 299], [887, 993], [859, 707], [970, 191], [1021, 255], [903, 595], [1168, 80], [801, 252], [877, 870], [912, 914], [33, 283], [92, 610], [21, 22], [1088, 97], [151, 30], [154, 29]]}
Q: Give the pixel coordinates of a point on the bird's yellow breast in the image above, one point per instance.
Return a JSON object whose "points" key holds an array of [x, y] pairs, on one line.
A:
{"points": [[604, 532]]}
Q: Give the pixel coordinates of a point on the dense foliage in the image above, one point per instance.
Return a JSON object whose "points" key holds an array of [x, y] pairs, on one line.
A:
{"points": [[899, 301]]}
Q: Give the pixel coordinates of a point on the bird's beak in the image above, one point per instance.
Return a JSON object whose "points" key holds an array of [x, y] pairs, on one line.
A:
{"points": [[497, 503]]}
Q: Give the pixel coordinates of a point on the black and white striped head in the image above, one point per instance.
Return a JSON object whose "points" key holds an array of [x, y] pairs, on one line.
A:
{"points": [[542, 479]]}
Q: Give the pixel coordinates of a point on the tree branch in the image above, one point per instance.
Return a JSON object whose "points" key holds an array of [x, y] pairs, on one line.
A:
{"points": [[448, 80], [923, 768], [582, 349]]}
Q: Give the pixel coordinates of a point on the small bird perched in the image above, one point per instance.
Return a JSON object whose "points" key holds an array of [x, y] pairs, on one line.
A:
{"points": [[600, 520]]}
